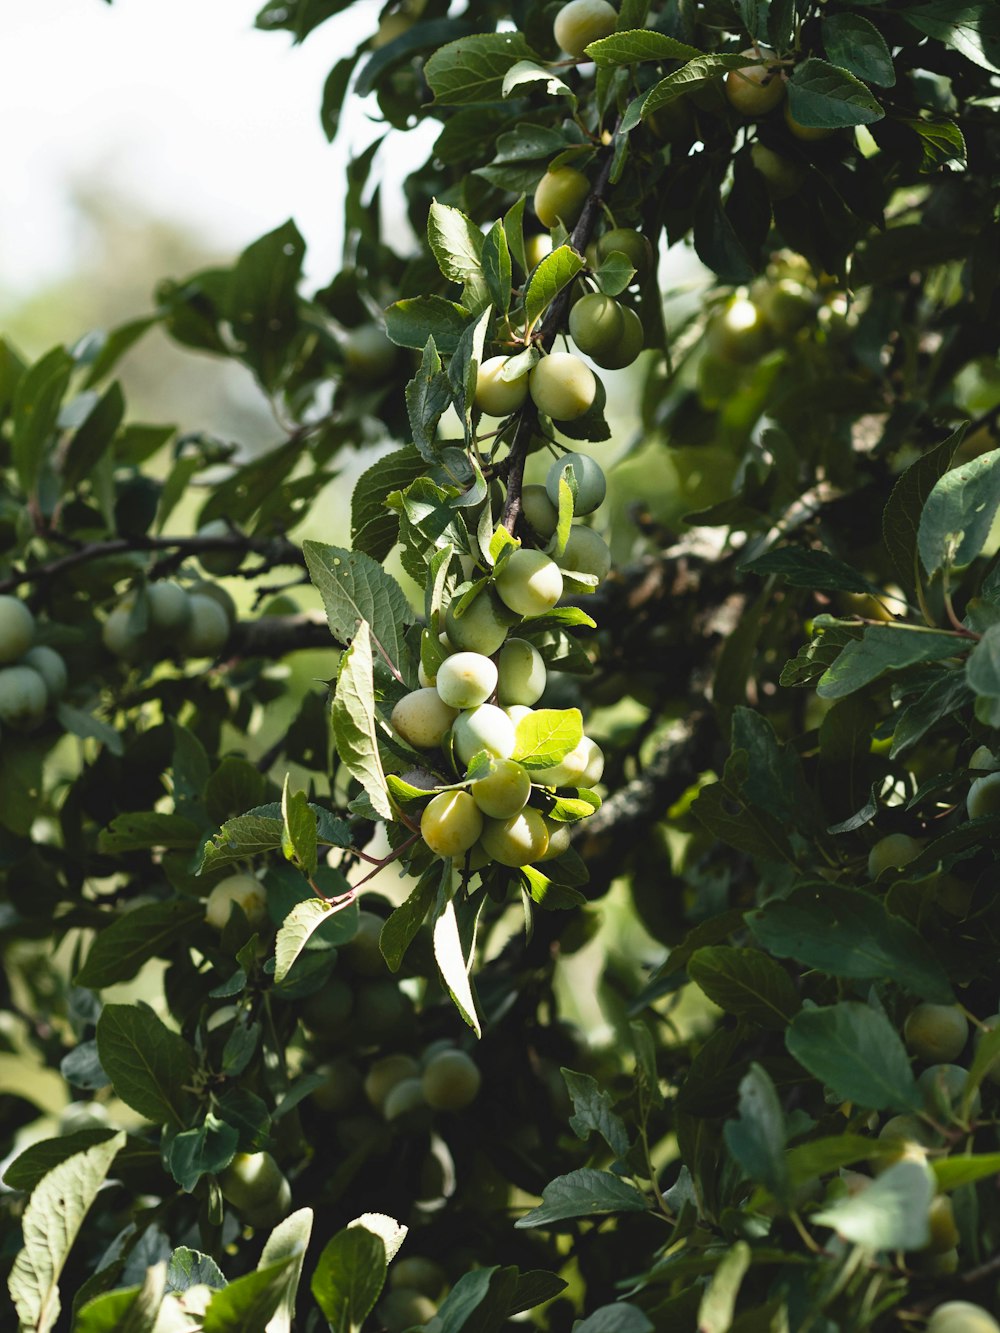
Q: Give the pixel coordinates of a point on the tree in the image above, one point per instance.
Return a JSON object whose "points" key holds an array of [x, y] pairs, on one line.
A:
{"points": [[770, 728]]}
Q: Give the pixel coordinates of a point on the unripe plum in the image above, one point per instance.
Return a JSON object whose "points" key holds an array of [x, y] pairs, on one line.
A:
{"points": [[169, 607], [504, 791], [405, 1096], [562, 386], [936, 1032], [521, 673], [369, 353], [788, 306], [983, 757], [119, 638], [630, 243], [252, 1181], [420, 1274], [340, 1087], [941, 1219], [591, 484], [361, 953], [628, 347], [961, 1317], [943, 1086], [215, 592], [529, 582], [536, 247], [893, 851], [23, 698], [572, 769], [560, 196], [423, 718], [484, 728], [912, 1137], [451, 1081], [586, 553], [494, 394], [218, 562], [385, 1073], [539, 510], [17, 628], [559, 840], [482, 626], [596, 324], [581, 22], [50, 666], [516, 712], [517, 841], [208, 628], [754, 90], [246, 891], [451, 823], [984, 796], [402, 1309], [465, 680], [594, 770], [738, 333]]}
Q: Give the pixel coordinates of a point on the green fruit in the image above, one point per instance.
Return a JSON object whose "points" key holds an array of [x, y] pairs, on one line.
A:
{"points": [[216, 593], [630, 243], [221, 562], [588, 476], [983, 757], [562, 386], [465, 680], [252, 1182], [560, 196], [362, 954], [529, 582], [788, 306], [738, 332], [596, 324], [451, 823], [504, 791], [450, 1081], [936, 1032], [207, 630], [385, 1073], [368, 353], [559, 840], [169, 608], [984, 796], [326, 1011], [586, 553], [381, 1011], [539, 510], [119, 637], [517, 841], [482, 626], [340, 1087], [246, 891], [402, 1309], [422, 718], [911, 1139], [581, 22], [51, 667], [405, 1096], [17, 628], [892, 852], [484, 728], [754, 90], [495, 395], [419, 1274], [781, 177], [536, 247], [961, 1317], [625, 351], [941, 1218], [23, 698], [573, 769], [943, 1087], [521, 673]]}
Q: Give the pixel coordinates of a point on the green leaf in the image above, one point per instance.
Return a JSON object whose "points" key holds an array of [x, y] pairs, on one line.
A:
{"points": [[802, 567], [297, 929], [718, 1304], [374, 526], [205, 1150], [299, 835], [881, 649], [700, 69], [528, 72], [820, 1157], [472, 69], [35, 411], [134, 832], [959, 1169], [727, 813], [958, 514], [614, 273], [891, 1214], [400, 929], [260, 830], [190, 1268], [355, 729], [593, 1109], [946, 696], [150, 1067], [130, 1310], [901, 516], [972, 30], [128, 941], [93, 437], [535, 1288], [745, 982], [410, 323], [546, 736], [630, 48], [856, 45], [857, 1052], [349, 1278], [235, 786], [262, 302], [823, 96], [289, 1240], [50, 1224], [21, 762], [114, 347], [497, 267], [428, 395], [942, 142], [457, 245], [584, 1193], [617, 1318], [451, 956], [757, 1138], [30, 1166], [355, 587], [982, 668], [556, 271], [248, 1304]]}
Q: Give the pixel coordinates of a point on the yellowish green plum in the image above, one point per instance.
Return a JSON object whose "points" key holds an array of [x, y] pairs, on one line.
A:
{"points": [[529, 582], [521, 673], [484, 728], [961, 1317], [51, 667], [466, 680], [256, 1187], [539, 510], [169, 607], [120, 639], [422, 718], [504, 790], [517, 841], [581, 22], [23, 698], [562, 386], [943, 1088], [596, 324], [246, 891], [586, 553], [207, 629], [588, 477], [495, 395], [984, 796], [892, 852], [630, 243], [560, 836], [754, 90], [17, 628], [483, 624], [451, 823], [451, 1081], [403, 1097], [936, 1032], [560, 196]]}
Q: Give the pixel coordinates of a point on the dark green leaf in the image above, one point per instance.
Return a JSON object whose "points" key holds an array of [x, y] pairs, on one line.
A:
{"points": [[757, 1138], [354, 587], [802, 567], [630, 48], [823, 96], [349, 1277], [856, 45], [131, 832], [412, 322], [473, 69], [958, 514], [399, 930], [203, 1151], [901, 516], [745, 982], [37, 400], [128, 941], [593, 1109], [93, 437], [249, 1303], [299, 834], [857, 1052], [584, 1193], [150, 1067], [881, 649], [190, 1268], [263, 301]]}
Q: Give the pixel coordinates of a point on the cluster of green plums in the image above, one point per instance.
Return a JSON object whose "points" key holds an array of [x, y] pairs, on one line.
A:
{"points": [[167, 619], [33, 676]]}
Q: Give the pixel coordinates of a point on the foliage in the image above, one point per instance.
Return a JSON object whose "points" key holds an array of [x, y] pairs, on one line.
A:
{"points": [[658, 1079]]}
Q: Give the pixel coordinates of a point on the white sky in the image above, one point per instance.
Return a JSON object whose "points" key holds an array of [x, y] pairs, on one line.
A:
{"points": [[180, 104]]}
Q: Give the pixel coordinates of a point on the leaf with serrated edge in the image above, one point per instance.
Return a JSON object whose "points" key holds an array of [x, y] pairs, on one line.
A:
{"points": [[296, 930], [556, 271], [451, 960], [354, 725], [128, 941], [546, 736], [251, 1301], [150, 1067], [584, 1193], [857, 1052], [349, 1277], [290, 1238], [355, 587]]}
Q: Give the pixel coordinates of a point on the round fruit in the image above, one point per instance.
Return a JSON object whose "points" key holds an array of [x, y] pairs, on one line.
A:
{"points": [[586, 553], [521, 673], [581, 22], [536, 247], [961, 1317], [423, 718], [943, 1087], [806, 133], [628, 347], [169, 607], [936, 1032], [560, 196], [484, 728], [482, 626], [381, 1010], [941, 1218], [517, 841], [630, 243], [538, 509], [451, 823], [119, 638], [788, 306], [984, 796], [207, 630], [983, 757], [252, 1180], [219, 562], [596, 324], [402, 1309], [465, 680], [419, 1274], [754, 90], [406, 1095], [911, 1139], [50, 666], [245, 890], [591, 485], [518, 711], [570, 770], [594, 770], [529, 582], [781, 177], [562, 386], [738, 333], [559, 840], [326, 1011], [893, 852], [340, 1087], [361, 954], [494, 394], [23, 698], [504, 791], [385, 1073], [17, 628], [369, 353], [215, 592], [451, 1081]]}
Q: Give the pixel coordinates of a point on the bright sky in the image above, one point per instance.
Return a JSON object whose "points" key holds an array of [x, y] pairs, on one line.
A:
{"points": [[180, 104]]}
